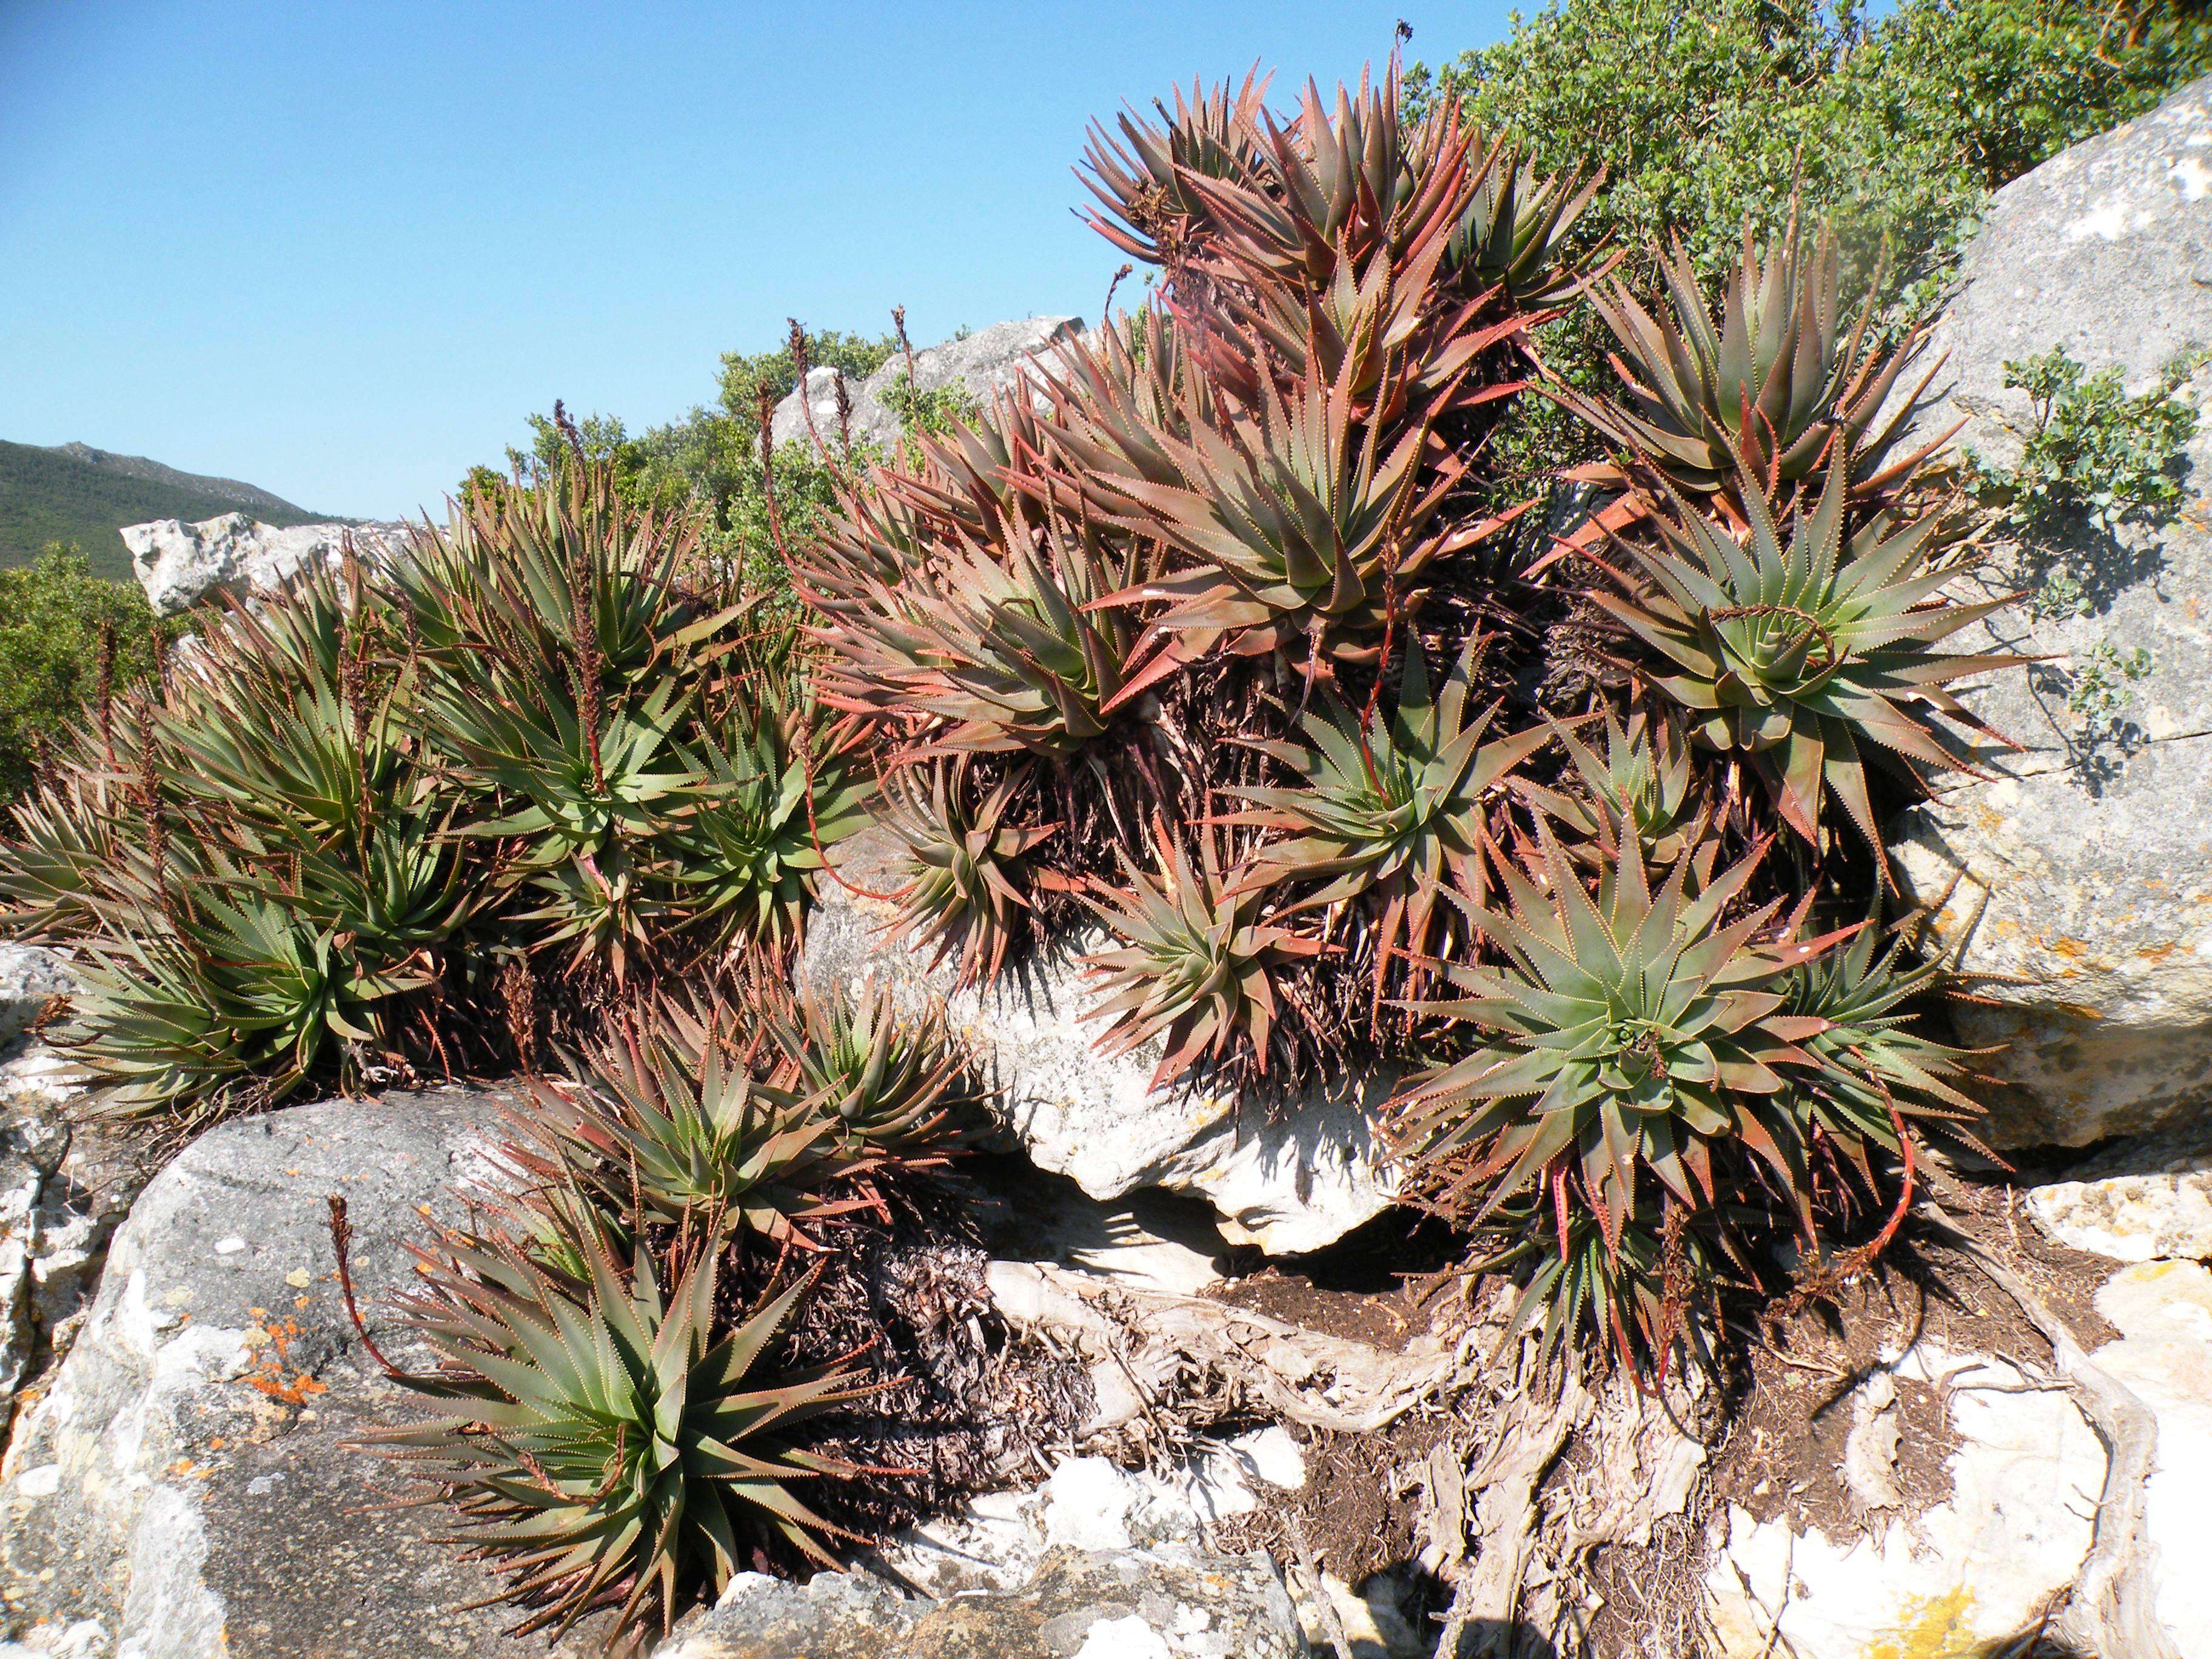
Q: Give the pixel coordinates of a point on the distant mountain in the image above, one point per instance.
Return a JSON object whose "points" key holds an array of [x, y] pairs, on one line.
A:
{"points": [[248, 497], [75, 493]]}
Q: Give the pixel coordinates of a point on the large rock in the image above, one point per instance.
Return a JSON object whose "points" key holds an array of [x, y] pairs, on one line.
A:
{"points": [[2145, 1198], [63, 1188], [1976, 1568], [185, 1485], [1291, 1183], [2163, 1312], [980, 364], [180, 564], [1976, 1572], [2083, 864]]}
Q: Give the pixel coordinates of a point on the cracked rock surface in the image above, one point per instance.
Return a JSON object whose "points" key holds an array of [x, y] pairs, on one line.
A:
{"points": [[1168, 1603], [2083, 862]]}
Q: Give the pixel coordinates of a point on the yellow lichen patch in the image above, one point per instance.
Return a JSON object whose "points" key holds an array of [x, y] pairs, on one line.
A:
{"points": [[2069, 948], [2079, 1009], [1934, 1627]]}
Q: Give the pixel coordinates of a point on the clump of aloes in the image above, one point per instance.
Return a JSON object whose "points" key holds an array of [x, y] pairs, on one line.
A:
{"points": [[614, 1440], [1649, 1061]]}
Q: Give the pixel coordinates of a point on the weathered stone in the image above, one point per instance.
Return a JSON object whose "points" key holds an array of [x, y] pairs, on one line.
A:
{"points": [[1291, 1183], [42, 1239], [999, 1539], [834, 1615], [2163, 1311], [186, 1480], [31, 977], [2143, 1200], [1170, 1603], [1976, 1568], [1977, 1571], [180, 564], [981, 364], [2083, 864]]}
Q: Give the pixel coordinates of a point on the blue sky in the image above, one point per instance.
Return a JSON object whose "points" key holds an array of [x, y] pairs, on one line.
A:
{"points": [[341, 250]]}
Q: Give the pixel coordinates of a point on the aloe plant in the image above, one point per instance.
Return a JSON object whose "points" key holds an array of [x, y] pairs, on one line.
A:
{"points": [[1143, 181], [1779, 388], [1393, 808], [1635, 1050], [777, 788], [1193, 965], [964, 888], [995, 645], [1798, 655], [1515, 223], [666, 1115], [899, 1084], [609, 1445], [1642, 789]]}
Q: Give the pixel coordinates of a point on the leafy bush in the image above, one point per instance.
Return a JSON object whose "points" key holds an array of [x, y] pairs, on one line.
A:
{"points": [[1892, 129], [2092, 450], [58, 622]]}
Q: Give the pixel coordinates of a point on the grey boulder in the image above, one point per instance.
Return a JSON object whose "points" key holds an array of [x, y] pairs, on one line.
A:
{"points": [[186, 1487], [181, 564], [981, 364], [1291, 1183], [2080, 866]]}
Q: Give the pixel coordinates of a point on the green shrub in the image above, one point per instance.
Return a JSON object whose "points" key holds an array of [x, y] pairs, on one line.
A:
{"points": [[53, 616], [1707, 117], [2092, 451]]}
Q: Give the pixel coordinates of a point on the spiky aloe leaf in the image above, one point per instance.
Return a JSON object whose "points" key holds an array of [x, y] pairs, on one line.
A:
{"points": [[607, 1445], [1642, 787], [965, 886], [899, 1085], [1393, 809], [666, 1113], [1193, 965], [1800, 654], [1780, 387]]}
